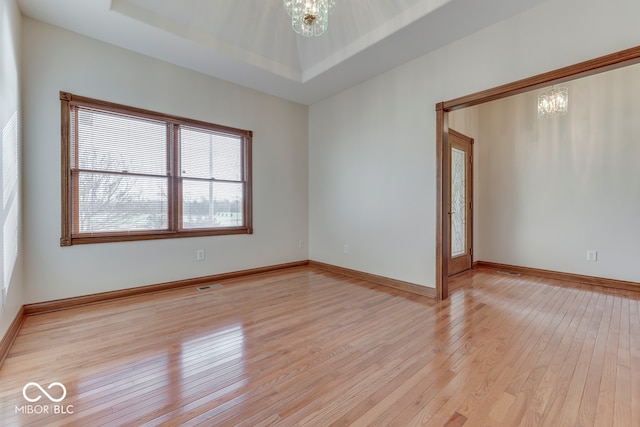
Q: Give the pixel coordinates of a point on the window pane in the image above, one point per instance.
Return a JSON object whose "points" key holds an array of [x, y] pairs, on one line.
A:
{"points": [[211, 204], [115, 142], [207, 154], [109, 202]]}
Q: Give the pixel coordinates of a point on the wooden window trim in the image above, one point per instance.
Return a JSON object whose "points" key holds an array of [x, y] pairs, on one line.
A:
{"points": [[69, 190]]}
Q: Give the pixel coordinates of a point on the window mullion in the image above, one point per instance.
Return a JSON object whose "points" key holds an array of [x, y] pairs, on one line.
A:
{"points": [[176, 181]]}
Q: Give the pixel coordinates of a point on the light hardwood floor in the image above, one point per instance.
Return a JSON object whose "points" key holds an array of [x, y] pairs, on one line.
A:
{"points": [[303, 347]]}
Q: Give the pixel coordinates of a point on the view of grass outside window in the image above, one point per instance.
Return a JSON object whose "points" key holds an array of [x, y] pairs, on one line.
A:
{"points": [[133, 174]]}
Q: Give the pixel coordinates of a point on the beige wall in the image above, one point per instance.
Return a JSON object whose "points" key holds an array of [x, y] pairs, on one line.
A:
{"points": [[372, 150], [357, 168], [55, 60], [549, 190], [11, 272]]}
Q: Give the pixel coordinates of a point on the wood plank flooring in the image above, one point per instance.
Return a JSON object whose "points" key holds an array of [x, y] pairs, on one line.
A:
{"points": [[303, 347]]}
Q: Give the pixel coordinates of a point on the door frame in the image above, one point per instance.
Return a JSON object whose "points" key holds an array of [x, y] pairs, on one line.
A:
{"points": [[443, 239], [469, 197]]}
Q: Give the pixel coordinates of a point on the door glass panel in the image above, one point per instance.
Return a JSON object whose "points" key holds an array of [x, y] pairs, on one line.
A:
{"points": [[458, 202]]}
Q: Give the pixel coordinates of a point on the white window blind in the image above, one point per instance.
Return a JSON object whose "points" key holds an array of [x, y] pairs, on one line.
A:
{"points": [[121, 170]]}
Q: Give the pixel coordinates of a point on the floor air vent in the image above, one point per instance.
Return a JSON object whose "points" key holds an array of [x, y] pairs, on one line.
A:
{"points": [[510, 273], [207, 287]]}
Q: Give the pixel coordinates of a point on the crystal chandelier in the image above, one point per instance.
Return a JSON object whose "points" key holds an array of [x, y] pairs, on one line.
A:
{"points": [[553, 102], [309, 17]]}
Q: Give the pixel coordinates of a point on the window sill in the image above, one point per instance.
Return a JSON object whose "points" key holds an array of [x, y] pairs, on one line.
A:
{"points": [[83, 239]]}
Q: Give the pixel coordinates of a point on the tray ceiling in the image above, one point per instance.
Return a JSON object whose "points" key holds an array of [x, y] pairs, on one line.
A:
{"points": [[250, 42]]}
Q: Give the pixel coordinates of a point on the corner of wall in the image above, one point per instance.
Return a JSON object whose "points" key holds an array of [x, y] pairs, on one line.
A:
{"points": [[11, 271]]}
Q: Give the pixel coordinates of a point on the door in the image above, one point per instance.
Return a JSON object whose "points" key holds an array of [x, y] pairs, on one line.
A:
{"points": [[460, 203]]}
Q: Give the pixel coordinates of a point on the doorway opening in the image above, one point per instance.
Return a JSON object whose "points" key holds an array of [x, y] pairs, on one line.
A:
{"points": [[443, 155]]}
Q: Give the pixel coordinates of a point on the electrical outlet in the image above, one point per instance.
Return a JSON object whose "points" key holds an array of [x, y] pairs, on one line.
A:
{"points": [[346, 249], [301, 244], [200, 255], [592, 255]]}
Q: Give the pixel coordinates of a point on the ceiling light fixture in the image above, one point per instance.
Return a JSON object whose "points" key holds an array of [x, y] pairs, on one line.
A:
{"points": [[553, 102], [309, 17]]}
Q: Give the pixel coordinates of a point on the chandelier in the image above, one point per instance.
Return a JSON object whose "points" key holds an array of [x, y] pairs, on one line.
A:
{"points": [[553, 102], [309, 17]]}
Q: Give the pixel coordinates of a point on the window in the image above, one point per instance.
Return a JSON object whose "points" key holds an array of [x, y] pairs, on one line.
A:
{"points": [[132, 174]]}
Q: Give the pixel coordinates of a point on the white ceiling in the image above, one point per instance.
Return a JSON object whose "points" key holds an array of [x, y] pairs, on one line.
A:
{"points": [[250, 42]]}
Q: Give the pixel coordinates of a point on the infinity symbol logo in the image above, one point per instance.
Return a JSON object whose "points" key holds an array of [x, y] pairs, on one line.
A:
{"points": [[43, 391]]}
